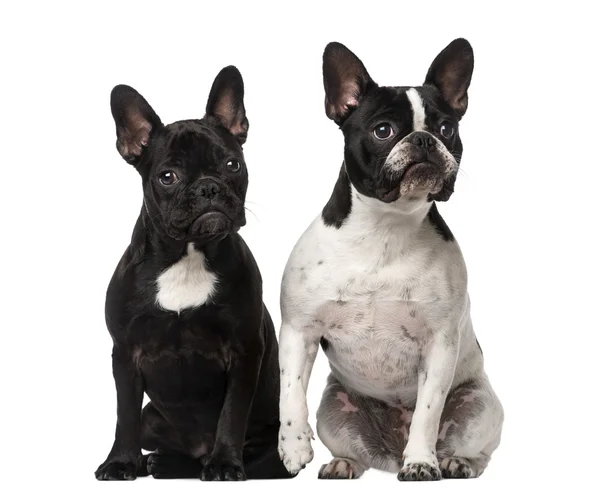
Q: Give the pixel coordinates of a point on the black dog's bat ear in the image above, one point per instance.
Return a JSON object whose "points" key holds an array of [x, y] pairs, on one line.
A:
{"points": [[451, 73], [226, 103], [136, 121], [346, 80]]}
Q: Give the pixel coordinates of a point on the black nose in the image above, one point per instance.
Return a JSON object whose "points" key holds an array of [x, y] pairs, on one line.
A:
{"points": [[423, 140], [209, 190]]}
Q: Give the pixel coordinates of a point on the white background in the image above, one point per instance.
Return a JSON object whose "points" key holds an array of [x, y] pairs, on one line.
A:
{"points": [[524, 212]]}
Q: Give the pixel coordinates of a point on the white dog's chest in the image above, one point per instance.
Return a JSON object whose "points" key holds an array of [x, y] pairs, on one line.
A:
{"points": [[374, 333], [374, 309]]}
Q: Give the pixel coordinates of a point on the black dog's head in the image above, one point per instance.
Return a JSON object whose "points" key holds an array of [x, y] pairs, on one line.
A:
{"points": [[399, 141], [193, 171]]}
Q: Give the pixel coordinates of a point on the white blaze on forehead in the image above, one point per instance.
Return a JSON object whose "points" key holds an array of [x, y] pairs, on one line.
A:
{"points": [[418, 109]]}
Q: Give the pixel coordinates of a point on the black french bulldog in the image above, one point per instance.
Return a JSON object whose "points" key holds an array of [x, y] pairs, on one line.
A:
{"points": [[184, 307]]}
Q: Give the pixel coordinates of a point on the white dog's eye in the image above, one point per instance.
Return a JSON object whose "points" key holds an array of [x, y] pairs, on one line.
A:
{"points": [[383, 131], [447, 130]]}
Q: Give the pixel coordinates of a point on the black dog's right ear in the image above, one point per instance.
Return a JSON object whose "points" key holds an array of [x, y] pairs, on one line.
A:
{"points": [[135, 120], [345, 79]]}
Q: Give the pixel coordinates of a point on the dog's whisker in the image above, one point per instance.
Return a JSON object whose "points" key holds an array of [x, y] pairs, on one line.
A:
{"points": [[252, 213], [255, 204]]}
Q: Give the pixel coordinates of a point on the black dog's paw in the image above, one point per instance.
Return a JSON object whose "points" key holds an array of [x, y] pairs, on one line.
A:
{"points": [[116, 470], [223, 470], [420, 471]]}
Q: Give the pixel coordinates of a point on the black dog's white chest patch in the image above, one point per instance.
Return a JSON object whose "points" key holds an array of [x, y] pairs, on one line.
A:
{"points": [[185, 284]]}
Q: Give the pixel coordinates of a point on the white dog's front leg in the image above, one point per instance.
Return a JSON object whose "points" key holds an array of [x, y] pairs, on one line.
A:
{"points": [[435, 378], [297, 354]]}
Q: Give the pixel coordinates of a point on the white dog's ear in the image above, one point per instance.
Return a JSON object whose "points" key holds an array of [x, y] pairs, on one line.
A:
{"points": [[345, 79], [136, 121], [451, 73]]}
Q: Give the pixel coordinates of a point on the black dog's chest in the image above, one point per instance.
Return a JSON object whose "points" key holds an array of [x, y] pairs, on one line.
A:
{"points": [[183, 361]]}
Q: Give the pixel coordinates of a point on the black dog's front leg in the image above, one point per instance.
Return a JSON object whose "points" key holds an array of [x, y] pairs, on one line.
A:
{"points": [[124, 462], [225, 462]]}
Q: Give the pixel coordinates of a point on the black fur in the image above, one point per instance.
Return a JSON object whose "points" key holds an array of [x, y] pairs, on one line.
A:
{"points": [[435, 218], [339, 205], [357, 104], [211, 372]]}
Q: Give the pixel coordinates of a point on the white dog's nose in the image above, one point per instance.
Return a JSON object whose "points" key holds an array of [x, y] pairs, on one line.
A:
{"points": [[422, 139]]}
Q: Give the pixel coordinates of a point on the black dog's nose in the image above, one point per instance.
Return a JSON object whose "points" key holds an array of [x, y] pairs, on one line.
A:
{"points": [[423, 140], [209, 190]]}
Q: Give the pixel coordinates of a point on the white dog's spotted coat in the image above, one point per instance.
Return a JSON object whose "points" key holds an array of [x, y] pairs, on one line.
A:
{"points": [[389, 297], [187, 283]]}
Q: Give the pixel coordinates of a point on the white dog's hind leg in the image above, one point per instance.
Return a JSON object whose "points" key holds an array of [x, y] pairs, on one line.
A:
{"points": [[470, 429], [360, 432]]}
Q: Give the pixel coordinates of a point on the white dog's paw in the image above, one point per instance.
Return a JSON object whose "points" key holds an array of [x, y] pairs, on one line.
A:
{"points": [[294, 447], [419, 471], [423, 467]]}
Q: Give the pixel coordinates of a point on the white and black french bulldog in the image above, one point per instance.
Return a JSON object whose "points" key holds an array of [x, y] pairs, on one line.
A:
{"points": [[184, 307], [379, 281]]}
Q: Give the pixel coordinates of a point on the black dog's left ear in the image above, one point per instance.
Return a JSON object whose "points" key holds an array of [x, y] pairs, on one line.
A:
{"points": [[451, 73], [226, 103]]}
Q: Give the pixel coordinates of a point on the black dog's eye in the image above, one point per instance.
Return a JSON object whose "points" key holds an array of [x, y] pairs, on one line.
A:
{"points": [[167, 178], [234, 165], [383, 131], [447, 130]]}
